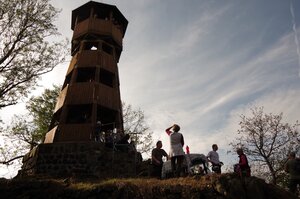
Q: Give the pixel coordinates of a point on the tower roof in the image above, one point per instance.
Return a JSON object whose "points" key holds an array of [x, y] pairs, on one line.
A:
{"points": [[99, 6]]}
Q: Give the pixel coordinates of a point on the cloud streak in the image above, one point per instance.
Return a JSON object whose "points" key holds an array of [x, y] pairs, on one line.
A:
{"points": [[295, 33]]}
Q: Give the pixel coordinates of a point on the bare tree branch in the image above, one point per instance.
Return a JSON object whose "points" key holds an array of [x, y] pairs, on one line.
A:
{"points": [[25, 53], [7, 162]]}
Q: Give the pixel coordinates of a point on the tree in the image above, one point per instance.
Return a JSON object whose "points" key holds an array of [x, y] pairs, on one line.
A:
{"points": [[41, 109], [135, 124], [27, 131], [267, 141], [25, 53]]}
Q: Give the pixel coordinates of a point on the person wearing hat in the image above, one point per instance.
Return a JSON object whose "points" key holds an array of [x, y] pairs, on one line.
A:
{"points": [[292, 167], [176, 149]]}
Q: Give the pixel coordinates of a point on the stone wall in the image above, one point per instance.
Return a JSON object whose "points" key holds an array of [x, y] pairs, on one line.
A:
{"points": [[79, 159]]}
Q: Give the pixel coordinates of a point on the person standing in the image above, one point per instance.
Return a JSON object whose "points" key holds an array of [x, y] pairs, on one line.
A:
{"points": [[243, 166], [98, 131], [293, 168], [156, 159], [176, 148], [123, 143], [213, 158]]}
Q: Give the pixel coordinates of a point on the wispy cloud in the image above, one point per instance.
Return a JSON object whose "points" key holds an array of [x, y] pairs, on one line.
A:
{"points": [[295, 33], [211, 112]]}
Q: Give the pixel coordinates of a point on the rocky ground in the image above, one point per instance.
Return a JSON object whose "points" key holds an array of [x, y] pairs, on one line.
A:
{"points": [[225, 186]]}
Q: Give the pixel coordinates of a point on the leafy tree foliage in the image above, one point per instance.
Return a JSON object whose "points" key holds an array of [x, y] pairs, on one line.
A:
{"points": [[135, 124], [25, 53], [41, 109], [267, 140], [30, 129]]}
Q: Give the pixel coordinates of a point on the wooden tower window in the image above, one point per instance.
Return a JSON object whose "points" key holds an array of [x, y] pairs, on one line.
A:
{"points": [[107, 78], [90, 46], [55, 119], [108, 49], [78, 114], [86, 75], [107, 117], [67, 80]]}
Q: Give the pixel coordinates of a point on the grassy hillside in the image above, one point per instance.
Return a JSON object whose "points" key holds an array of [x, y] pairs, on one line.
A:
{"points": [[225, 186]]}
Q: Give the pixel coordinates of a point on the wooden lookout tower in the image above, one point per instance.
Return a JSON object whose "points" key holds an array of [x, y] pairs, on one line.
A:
{"points": [[74, 146], [91, 93]]}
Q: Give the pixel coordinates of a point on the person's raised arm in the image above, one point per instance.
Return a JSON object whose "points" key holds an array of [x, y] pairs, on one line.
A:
{"points": [[168, 130]]}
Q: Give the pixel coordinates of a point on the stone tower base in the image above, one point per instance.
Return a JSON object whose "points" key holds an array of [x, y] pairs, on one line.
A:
{"points": [[78, 159]]}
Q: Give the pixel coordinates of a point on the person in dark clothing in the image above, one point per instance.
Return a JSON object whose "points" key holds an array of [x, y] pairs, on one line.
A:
{"points": [[98, 131], [123, 143], [292, 167], [243, 167], [109, 139], [156, 159]]}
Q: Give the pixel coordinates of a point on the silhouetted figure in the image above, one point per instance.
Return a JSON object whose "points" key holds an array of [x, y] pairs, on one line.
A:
{"points": [[242, 168], [213, 158], [109, 139], [293, 168], [98, 131], [176, 150], [123, 143], [156, 159]]}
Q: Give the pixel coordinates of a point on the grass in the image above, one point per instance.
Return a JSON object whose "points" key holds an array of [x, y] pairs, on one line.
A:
{"points": [[147, 183], [208, 186]]}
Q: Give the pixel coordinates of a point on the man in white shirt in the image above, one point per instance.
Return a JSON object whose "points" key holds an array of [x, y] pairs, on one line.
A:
{"points": [[213, 158]]}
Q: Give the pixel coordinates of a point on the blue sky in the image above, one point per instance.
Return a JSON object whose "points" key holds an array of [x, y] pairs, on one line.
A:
{"points": [[201, 64]]}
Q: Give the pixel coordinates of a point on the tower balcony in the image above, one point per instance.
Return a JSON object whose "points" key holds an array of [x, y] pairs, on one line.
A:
{"points": [[98, 27], [50, 135], [71, 132], [87, 93], [75, 132], [61, 99], [91, 58]]}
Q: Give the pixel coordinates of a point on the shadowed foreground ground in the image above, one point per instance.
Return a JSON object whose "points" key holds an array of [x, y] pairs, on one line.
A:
{"points": [[220, 187]]}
